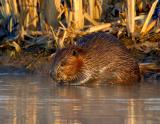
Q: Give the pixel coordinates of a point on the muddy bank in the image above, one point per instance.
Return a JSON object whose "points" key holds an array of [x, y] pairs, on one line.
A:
{"points": [[26, 63]]}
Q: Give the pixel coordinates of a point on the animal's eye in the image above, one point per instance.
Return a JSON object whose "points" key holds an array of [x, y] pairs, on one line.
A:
{"points": [[75, 53]]}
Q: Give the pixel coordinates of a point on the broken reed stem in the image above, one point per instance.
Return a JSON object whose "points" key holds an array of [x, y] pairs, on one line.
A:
{"points": [[58, 5], [105, 26], [14, 7], [61, 41], [140, 5], [86, 16], [5, 8], [97, 9], [91, 8], [78, 14], [149, 27], [131, 16], [149, 17]]}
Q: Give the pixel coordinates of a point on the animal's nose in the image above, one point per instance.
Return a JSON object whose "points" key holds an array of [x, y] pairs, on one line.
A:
{"points": [[56, 77]]}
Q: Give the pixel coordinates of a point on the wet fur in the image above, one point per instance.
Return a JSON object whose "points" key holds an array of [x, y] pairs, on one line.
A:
{"points": [[101, 58]]}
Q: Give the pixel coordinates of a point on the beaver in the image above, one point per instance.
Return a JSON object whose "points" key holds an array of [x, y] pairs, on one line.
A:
{"points": [[101, 58]]}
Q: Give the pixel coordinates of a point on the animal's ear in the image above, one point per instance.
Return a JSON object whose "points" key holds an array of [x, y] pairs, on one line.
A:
{"points": [[75, 53]]}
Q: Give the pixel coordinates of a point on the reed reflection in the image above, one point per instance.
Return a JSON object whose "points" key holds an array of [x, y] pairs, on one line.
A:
{"points": [[35, 100]]}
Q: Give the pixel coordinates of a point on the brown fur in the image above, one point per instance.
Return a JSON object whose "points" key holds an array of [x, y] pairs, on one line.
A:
{"points": [[102, 58]]}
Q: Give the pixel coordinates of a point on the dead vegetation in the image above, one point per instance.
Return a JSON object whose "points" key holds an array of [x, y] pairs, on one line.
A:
{"points": [[40, 26], [56, 23]]}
